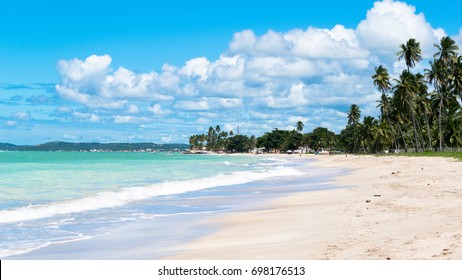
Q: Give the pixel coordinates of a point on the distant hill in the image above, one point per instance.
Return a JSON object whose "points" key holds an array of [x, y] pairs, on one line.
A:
{"points": [[116, 147]]}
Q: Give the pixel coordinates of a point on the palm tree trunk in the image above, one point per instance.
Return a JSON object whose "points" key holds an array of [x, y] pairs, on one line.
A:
{"points": [[416, 140], [402, 136], [422, 138], [429, 132], [439, 123], [392, 131]]}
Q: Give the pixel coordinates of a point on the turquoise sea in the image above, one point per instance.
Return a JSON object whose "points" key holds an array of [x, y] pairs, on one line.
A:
{"points": [[51, 198]]}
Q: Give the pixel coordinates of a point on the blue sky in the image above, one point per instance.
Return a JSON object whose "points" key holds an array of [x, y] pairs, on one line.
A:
{"points": [[145, 71]]}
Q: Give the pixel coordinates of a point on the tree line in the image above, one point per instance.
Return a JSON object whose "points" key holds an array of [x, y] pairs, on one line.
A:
{"points": [[276, 140]]}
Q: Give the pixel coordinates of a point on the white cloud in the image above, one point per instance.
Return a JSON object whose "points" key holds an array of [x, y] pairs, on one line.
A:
{"points": [[203, 121], [85, 75], [196, 68], [157, 110], [21, 116], [338, 43], [295, 119], [296, 97], [94, 118], [124, 83], [64, 109], [225, 103], [263, 116], [94, 84], [391, 23], [243, 41], [133, 109], [129, 119], [11, 123], [190, 105], [86, 117]]}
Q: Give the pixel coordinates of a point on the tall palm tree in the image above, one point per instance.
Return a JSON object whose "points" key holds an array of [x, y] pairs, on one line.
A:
{"points": [[410, 52], [405, 91], [438, 76], [381, 79], [447, 50], [300, 126], [354, 114], [423, 105], [367, 132], [384, 105]]}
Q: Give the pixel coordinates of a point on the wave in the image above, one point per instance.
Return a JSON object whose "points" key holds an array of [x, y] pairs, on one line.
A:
{"points": [[11, 252], [111, 199], [26, 248]]}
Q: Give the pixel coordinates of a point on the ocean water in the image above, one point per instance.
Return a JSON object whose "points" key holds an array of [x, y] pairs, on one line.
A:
{"points": [[50, 198]]}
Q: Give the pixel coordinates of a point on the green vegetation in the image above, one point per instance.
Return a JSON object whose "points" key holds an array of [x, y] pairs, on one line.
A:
{"points": [[418, 112], [274, 141], [455, 155]]}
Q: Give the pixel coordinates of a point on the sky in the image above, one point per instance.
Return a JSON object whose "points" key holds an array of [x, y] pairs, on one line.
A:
{"points": [[161, 71]]}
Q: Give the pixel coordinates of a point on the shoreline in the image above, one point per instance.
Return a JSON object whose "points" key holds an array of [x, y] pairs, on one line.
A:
{"points": [[404, 208]]}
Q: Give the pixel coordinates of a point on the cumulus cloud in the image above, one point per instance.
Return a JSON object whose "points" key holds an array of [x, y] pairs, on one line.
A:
{"points": [[295, 97], [133, 109], [85, 76], [157, 110], [390, 23], [91, 82], [86, 117]]}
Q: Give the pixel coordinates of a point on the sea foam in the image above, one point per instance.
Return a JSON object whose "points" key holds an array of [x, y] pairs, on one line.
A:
{"points": [[110, 199]]}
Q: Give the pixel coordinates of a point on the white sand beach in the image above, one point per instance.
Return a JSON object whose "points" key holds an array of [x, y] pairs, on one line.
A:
{"points": [[396, 208]]}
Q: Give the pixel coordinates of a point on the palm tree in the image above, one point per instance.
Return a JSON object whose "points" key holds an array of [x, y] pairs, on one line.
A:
{"points": [[405, 91], [411, 53], [447, 50], [382, 82], [300, 126], [452, 130], [423, 104], [385, 106], [383, 136], [381, 79], [193, 142], [438, 76], [367, 129], [354, 115]]}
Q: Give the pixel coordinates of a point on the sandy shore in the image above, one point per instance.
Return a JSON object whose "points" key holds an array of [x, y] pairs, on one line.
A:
{"points": [[397, 208]]}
